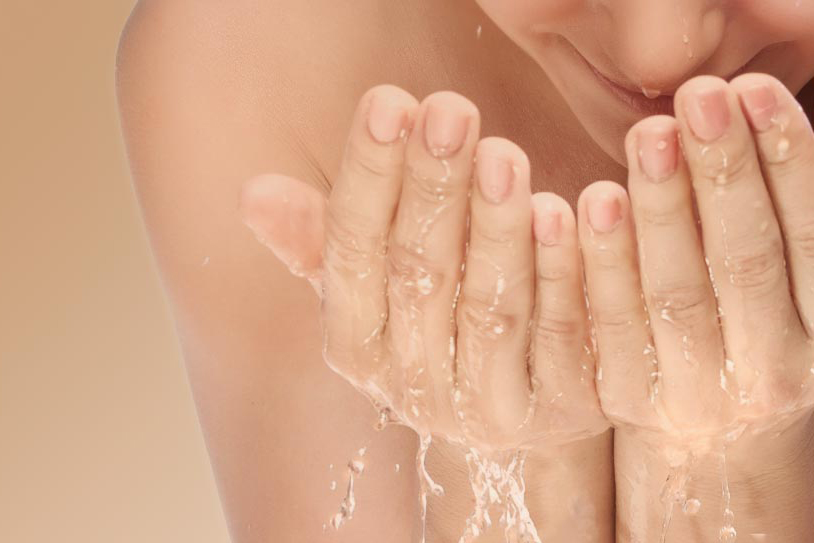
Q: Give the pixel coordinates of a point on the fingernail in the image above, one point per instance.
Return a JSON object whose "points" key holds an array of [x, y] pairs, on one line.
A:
{"points": [[658, 153], [761, 106], [708, 113], [495, 177], [445, 129], [547, 225], [386, 120], [604, 213]]}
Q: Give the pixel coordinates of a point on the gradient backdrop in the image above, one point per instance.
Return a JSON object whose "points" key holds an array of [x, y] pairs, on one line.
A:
{"points": [[98, 437]]}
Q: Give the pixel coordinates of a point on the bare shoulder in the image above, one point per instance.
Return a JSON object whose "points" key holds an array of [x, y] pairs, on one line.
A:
{"points": [[287, 69], [212, 93]]}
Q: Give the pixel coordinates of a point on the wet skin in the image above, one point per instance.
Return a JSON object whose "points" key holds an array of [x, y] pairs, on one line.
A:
{"points": [[686, 359], [249, 314]]}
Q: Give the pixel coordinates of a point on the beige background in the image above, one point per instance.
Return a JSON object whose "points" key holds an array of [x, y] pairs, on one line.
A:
{"points": [[98, 436]]}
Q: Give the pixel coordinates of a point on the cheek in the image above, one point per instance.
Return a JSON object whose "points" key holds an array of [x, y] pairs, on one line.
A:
{"points": [[521, 15]]}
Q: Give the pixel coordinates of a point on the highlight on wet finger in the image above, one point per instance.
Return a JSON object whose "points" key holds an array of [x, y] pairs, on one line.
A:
{"points": [[495, 307], [785, 144], [562, 365], [425, 255], [357, 222], [627, 372], [680, 299]]}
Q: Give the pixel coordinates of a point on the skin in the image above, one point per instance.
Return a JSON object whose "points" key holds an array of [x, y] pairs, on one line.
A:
{"points": [[223, 109]]}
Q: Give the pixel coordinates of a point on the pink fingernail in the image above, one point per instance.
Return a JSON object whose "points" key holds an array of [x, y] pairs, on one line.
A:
{"points": [[386, 120], [658, 152], [445, 128], [708, 113], [761, 106], [547, 225], [495, 177], [604, 213]]}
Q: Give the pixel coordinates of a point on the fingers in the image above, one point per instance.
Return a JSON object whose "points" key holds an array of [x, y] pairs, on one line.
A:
{"points": [[426, 252], [675, 280], [629, 370], [287, 216], [357, 222], [497, 293], [563, 364], [785, 145], [741, 235]]}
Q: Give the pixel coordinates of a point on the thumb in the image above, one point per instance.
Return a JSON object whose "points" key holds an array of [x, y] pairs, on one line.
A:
{"points": [[287, 216]]}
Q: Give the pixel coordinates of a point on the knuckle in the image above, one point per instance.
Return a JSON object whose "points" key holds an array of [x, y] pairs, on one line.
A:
{"points": [[613, 320], [554, 327], [411, 274], [605, 258], [490, 237], [726, 166], [661, 215], [348, 235], [683, 306], [365, 162], [431, 188], [480, 320], [756, 267], [554, 272]]}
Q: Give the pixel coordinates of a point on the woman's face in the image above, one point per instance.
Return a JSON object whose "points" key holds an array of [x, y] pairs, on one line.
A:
{"points": [[617, 61]]}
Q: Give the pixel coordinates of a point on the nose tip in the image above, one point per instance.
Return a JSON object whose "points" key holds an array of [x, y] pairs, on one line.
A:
{"points": [[661, 46]]}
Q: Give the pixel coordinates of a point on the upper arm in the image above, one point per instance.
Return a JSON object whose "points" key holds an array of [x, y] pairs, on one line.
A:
{"points": [[203, 109]]}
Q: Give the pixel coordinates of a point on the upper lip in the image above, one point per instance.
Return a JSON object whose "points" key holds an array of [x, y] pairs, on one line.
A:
{"points": [[662, 92]]}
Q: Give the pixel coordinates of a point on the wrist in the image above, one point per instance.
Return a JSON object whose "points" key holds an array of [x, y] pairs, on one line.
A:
{"points": [[569, 492], [769, 471]]}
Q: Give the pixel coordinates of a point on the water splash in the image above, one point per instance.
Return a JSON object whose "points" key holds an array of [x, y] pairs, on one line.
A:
{"points": [[426, 484], [674, 492], [498, 485], [727, 534]]}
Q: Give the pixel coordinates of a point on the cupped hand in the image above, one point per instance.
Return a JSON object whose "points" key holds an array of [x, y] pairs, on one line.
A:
{"points": [[451, 296], [701, 286]]}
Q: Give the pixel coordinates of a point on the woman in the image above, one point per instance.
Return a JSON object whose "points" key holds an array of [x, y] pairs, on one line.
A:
{"points": [[715, 360]]}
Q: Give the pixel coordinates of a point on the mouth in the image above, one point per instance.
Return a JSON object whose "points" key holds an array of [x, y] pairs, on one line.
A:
{"points": [[654, 104], [646, 102]]}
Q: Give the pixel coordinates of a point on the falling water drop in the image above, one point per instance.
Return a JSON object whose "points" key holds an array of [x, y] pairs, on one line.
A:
{"points": [[652, 94]]}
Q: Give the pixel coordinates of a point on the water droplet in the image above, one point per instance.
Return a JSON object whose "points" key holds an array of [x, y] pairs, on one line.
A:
{"points": [[685, 38], [661, 145], [783, 147], [478, 31], [651, 93], [692, 506]]}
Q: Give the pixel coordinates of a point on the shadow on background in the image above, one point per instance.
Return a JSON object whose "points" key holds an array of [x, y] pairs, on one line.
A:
{"points": [[98, 436]]}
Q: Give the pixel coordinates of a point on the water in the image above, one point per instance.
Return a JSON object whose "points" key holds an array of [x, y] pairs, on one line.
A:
{"points": [[426, 484], [651, 94], [727, 534], [348, 506], [674, 491], [496, 478], [498, 486]]}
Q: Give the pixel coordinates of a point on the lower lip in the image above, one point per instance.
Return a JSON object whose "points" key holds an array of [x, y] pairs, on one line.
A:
{"points": [[660, 105]]}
